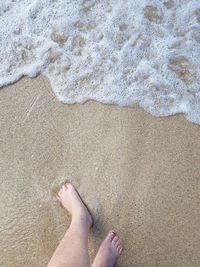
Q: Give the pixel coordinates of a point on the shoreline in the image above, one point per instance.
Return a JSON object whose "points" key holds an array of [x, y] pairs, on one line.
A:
{"points": [[134, 171]]}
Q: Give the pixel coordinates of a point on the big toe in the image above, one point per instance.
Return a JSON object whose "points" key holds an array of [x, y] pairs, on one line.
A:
{"points": [[111, 234], [69, 186]]}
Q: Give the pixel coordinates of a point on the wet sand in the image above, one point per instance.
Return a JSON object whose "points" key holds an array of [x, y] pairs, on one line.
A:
{"points": [[137, 173]]}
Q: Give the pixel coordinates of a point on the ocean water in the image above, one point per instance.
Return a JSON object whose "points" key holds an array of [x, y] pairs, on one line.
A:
{"points": [[144, 52]]}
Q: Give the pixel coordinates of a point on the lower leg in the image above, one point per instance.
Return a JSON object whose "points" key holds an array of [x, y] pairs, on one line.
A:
{"points": [[73, 248]]}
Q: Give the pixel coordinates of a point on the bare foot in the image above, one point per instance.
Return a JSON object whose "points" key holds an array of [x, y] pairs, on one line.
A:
{"points": [[71, 201], [108, 252]]}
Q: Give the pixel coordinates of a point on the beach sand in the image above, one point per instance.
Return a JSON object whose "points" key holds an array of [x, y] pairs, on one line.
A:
{"points": [[137, 173]]}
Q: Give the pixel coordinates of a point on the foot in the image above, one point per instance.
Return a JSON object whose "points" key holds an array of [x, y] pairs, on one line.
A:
{"points": [[109, 251], [71, 201]]}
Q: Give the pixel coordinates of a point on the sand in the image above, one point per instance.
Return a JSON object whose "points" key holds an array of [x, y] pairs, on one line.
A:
{"points": [[137, 173]]}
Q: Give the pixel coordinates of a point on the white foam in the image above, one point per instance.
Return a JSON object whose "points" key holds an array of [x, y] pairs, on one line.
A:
{"points": [[112, 51]]}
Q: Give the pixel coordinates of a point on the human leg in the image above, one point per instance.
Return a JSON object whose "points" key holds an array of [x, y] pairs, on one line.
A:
{"points": [[73, 248]]}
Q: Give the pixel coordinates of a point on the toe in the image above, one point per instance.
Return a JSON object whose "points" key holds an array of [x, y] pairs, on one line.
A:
{"points": [[120, 250], [117, 244], [70, 186], [110, 235], [63, 187], [58, 197], [67, 184], [59, 193], [115, 239]]}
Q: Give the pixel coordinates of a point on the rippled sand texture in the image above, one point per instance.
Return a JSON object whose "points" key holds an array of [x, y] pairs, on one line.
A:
{"points": [[137, 173], [123, 52]]}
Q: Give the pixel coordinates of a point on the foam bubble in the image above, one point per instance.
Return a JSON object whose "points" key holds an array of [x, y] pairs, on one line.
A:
{"points": [[121, 52]]}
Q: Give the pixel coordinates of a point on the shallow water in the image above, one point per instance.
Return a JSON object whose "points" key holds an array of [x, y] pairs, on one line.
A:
{"points": [[122, 52], [144, 178]]}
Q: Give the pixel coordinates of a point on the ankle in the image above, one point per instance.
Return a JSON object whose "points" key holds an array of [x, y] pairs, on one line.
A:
{"points": [[81, 218]]}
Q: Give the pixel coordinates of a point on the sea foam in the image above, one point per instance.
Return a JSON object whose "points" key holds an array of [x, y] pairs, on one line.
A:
{"points": [[144, 52]]}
